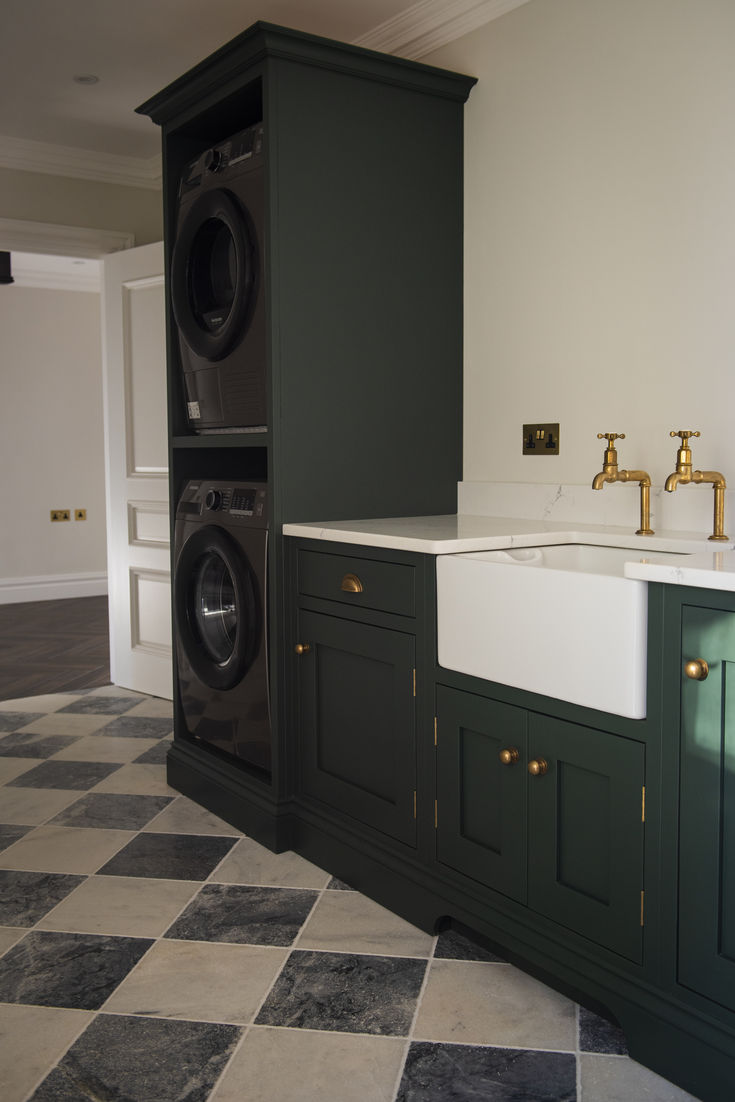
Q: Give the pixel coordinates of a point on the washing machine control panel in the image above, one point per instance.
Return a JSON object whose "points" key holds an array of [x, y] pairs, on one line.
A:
{"points": [[245, 501]]}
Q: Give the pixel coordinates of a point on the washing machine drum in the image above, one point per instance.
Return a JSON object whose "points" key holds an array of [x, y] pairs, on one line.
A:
{"points": [[218, 612], [214, 274]]}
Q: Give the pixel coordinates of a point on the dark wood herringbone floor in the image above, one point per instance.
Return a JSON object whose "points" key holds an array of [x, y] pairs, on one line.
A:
{"points": [[53, 647]]}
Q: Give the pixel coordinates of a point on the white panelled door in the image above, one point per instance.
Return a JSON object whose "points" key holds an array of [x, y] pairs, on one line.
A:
{"points": [[138, 564]]}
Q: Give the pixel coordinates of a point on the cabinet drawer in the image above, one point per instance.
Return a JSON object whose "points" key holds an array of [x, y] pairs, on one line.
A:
{"points": [[362, 583]]}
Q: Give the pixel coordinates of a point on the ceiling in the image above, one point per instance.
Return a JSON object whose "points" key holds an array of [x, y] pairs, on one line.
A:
{"points": [[137, 47]]}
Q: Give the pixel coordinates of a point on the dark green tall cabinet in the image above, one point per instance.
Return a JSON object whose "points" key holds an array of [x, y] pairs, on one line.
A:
{"points": [[363, 296]]}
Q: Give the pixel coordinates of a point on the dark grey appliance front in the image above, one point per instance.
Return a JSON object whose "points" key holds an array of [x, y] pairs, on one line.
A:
{"points": [[217, 286], [220, 617]]}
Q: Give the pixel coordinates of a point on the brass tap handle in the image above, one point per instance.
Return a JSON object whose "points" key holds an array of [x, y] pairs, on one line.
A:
{"points": [[610, 436], [684, 435]]}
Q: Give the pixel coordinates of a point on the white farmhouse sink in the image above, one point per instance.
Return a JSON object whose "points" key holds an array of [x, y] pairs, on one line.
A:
{"points": [[562, 621]]}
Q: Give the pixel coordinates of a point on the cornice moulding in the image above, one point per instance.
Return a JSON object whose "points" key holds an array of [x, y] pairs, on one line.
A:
{"points": [[44, 237], [81, 164], [431, 24]]}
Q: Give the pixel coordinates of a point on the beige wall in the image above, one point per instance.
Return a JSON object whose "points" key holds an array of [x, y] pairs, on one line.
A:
{"points": [[600, 234], [63, 201], [51, 430]]}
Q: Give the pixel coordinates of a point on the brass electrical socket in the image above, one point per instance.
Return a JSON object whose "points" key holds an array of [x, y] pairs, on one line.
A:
{"points": [[60, 514], [80, 514], [541, 439]]}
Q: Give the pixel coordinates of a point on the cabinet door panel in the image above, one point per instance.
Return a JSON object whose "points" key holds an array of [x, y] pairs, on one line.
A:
{"points": [[707, 825], [358, 748], [481, 803], [586, 831]]}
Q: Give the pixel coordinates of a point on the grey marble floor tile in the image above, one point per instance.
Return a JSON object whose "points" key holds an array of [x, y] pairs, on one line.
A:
{"points": [[100, 705], [121, 905], [31, 806], [244, 914], [336, 885], [65, 774], [250, 863], [46, 702], [141, 779], [596, 1034], [26, 744], [348, 922], [154, 706], [32, 1039], [346, 993], [169, 856], [132, 1059], [619, 1079], [63, 849], [111, 810], [101, 748], [25, 897], [183, 816], [139, 727], [70, 723], [78, 971], [10, 768], [10, 720], [10, 834], [298, 1065], [465, 1073], [155, 755], [453, 945]]}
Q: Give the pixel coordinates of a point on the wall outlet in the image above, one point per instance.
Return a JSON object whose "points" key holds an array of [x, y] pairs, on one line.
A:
{"points": [[541, 439], [80, 514], [60, 514]]}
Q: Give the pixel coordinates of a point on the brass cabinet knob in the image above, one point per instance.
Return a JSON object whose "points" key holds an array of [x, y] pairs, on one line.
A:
{"points": [[351, 584], [538, 767], [509, 756], [697, 669], [302, 648]]}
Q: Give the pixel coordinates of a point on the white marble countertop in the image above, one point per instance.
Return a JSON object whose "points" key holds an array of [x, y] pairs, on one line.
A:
{"points": [[454, 534]]}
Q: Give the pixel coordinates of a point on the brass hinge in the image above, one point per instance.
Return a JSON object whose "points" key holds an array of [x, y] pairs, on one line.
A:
{"points": [[414, 681], [642, 899], [436, 814], [643, 804], [414, 803], [436, 736]]}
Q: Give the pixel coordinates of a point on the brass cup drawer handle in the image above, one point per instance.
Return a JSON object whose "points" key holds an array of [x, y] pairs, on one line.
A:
{"points": [[302, 648], [538, 766], [697, 669], [509, 756], [351, 584]]}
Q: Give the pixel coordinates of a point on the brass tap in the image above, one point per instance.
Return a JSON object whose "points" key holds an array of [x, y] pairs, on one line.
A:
{"points": [[610, 473], [684, 475]]}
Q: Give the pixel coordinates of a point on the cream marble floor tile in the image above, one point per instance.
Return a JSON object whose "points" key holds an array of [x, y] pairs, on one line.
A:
{"points": [[154, 707], [47, 702], [105, 748], [185, 817], [250, 863], [493, 1004], [32, 1040], [185, 979], [137, 780], [31, 806], [122, 905], [115, 690], [9, 935], [299, 1065], [10, 768], [67, 723], [347, 922], [64, 849], [619, 1079]]}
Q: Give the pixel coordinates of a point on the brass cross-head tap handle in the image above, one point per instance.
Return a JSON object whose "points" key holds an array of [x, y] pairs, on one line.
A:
{"points": [[610, 436], [684, 435]]}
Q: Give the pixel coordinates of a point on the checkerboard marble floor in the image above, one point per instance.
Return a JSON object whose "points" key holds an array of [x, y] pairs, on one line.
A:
{"points": [[152, 953]]}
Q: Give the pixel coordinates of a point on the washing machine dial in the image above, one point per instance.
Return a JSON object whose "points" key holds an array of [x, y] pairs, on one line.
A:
{"points": [[213, 500], [214, 161]]}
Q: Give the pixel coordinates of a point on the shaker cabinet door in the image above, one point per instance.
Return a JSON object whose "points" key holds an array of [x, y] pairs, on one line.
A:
{"points": [[707, 816]]}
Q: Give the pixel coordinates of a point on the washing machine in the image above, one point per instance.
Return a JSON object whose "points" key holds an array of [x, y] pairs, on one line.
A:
{"points": [[220, 617], [217, 291]]}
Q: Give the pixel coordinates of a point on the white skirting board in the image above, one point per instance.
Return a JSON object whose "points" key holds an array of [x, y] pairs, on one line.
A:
{"points": [[52, 587]]}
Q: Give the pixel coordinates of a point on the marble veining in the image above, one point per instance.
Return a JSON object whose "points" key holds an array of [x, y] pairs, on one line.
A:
{"points": [[169, 856], [245, 914], [101, 705], [469, 1073], [25, 897], [65, 774], [10, 720], [79, 971], [112, 811], [138, 727], [24, 744]]}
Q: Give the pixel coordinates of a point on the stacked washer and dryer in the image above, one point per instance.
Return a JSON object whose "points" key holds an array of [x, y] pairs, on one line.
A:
{"points": [[221, 527]]}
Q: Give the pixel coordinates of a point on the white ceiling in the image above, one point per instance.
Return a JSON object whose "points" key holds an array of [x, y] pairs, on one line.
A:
{"points": [[137, 47]]}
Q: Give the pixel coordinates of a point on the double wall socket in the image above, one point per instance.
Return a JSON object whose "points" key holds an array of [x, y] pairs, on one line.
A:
{"points": [[541, 439], [65, 514]]}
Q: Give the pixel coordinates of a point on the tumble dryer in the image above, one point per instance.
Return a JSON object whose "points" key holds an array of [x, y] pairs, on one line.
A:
{"points": [[220, 617], [217, 290]]}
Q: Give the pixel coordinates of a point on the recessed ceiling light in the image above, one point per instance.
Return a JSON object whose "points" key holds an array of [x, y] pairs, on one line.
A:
{"points": [[86, 78]]}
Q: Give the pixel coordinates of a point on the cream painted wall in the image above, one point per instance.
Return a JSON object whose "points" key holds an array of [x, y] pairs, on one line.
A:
{"points": [[51, 430], [63, 201], [600, 234]]}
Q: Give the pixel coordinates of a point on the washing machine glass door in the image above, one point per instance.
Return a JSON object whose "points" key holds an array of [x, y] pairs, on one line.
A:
{"points": [[214, 274], [218, 612]]}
